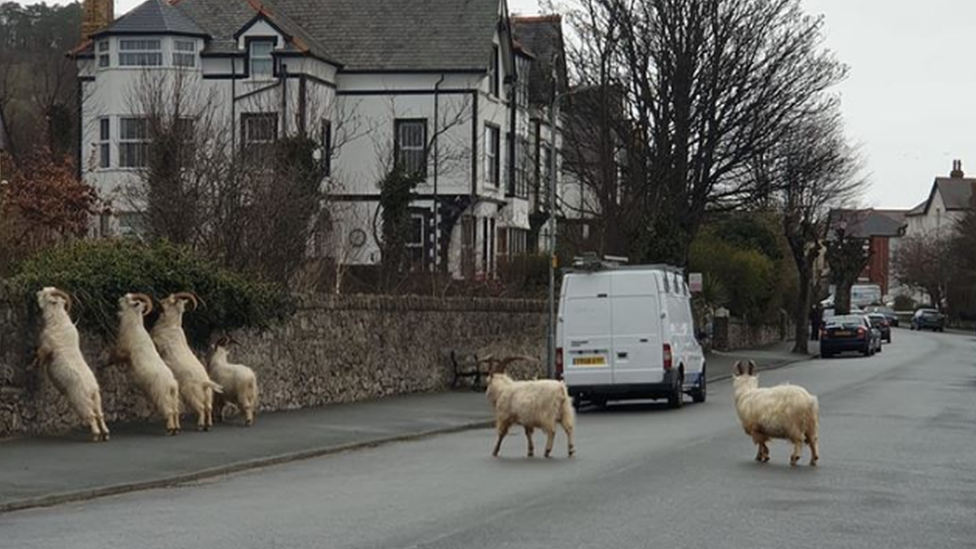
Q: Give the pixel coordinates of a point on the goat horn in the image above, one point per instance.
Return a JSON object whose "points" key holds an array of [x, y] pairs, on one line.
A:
{"points": [[189, 296], [752, 367], [222, 341], [737, 369], [146, 300], [503, 364], [64, 295]]}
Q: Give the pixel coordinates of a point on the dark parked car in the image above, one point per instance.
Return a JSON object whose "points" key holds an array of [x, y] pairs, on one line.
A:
{"points": [[889, 313], [849, 333], [928, 319], [880, 322]]}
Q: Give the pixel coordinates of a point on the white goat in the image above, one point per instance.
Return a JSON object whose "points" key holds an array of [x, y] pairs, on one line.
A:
{"points": [[239, 382], [148, 369], [59, 353], [784, 412], [196, 386], [532, 404]]}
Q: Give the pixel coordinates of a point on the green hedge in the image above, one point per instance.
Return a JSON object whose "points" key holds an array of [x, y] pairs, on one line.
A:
{"points": [[97, 272]]}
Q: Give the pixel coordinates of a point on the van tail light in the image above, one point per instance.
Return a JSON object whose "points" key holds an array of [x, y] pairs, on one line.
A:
{"points": [[668, 359], [559, 363], [860, 332]]}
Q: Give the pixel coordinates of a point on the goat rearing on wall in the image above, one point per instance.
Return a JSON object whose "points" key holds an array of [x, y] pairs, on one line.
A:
{"points": [[532, 404], [785, 412]]}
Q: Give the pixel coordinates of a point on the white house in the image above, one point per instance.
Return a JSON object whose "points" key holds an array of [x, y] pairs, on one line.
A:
{"points": [[948, 200], [442, 86]]}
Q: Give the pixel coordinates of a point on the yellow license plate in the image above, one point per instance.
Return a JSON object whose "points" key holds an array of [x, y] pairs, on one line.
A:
{"points": [[589, 361], [842, 334]]}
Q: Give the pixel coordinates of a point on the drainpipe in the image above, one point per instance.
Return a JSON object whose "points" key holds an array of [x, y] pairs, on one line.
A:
{"points": [[437, 255]]}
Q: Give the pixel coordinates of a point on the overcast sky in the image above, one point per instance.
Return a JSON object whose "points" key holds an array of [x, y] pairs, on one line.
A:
{"points": [[910, 97]]}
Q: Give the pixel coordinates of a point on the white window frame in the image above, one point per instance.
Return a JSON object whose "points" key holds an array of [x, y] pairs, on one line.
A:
{"points": [[265, 146], [411, 153], [104, 52], [140, 52], [269, 58], [493, 158], [133, 151], [104, 142], [415, 248], [184, 53]]}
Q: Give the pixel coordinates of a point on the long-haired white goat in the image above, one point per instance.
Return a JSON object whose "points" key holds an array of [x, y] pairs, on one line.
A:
{"points": [[59, 353], [239, 383], [148, 369], [784, 412], [532, 404], [196, 387]]}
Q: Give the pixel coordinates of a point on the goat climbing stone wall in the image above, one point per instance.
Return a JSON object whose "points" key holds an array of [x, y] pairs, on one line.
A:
{"points": [[335, 349]]}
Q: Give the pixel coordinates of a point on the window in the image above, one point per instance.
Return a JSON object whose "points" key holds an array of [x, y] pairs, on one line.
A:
{"points": [[140, 53], [184, 53], [262, 64], [507, 176], [259, 132], [327, 146], [411, 145], [131, 224], [104, 143], [133, 142], [103, 54], [183, 127], [492, 156], [522, 84], [415, 240], [493, 80], [522, 167]]}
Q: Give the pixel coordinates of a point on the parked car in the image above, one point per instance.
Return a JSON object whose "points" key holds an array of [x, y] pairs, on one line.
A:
{"points": [[928, 319], [627, 332], [880, 321], [849, 333], [889, 313]]}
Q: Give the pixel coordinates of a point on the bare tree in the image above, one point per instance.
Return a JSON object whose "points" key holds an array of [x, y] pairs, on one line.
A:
{"points": [[847, 255], [710, 84], [254, 204], [811, 171], [927, 263]]}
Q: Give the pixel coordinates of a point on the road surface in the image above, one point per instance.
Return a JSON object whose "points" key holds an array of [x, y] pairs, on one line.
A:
{"points": [[897, 469]]}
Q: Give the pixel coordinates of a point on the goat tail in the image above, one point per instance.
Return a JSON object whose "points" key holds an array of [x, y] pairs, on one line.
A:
{"points": [[215, 387]]}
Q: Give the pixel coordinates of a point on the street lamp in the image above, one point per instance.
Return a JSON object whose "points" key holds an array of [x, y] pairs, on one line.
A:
{"points": [[557, 98]]}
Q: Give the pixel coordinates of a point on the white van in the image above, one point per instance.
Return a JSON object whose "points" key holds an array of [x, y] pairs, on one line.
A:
{"points": [[626, 332]]}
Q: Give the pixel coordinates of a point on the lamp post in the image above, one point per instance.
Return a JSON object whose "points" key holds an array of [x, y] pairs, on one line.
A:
{"points": [[551, 324]]}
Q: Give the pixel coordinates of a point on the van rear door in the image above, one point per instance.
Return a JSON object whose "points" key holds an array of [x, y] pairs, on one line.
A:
{"points": [[585, 329], [636, 321]]}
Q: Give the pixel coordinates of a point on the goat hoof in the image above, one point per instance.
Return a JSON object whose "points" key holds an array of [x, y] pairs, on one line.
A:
{"points": [[248, 423], [96, 438], [531, 454], [105, 437]]}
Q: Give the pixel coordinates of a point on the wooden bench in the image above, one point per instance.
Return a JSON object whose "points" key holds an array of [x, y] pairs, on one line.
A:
{"points": [[467, 365]]}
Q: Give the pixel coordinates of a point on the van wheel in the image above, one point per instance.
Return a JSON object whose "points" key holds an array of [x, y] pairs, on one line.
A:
{"points": [[676, 398], [577, 402], [699, 393]]}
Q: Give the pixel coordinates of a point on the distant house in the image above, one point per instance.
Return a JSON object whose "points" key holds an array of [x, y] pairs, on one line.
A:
{"points": [[456, 90], [881, 229], [948, 200]]}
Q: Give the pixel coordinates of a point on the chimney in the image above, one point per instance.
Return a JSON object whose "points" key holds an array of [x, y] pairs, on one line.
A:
{"points": [[957, 172], [96, 15]]}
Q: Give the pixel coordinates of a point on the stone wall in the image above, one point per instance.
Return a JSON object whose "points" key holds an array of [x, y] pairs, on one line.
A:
{"points": [[335, 349], [731, 334]]}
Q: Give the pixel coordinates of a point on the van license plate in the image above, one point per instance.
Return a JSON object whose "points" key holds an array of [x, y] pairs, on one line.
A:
{"points": [[589, 361]]}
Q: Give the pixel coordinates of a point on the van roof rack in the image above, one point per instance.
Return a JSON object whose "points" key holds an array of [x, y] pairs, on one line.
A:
{"points": [[591, 262]]}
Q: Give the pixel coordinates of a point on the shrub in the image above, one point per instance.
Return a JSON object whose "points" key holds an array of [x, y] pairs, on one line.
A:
{"points": [[97, 273]]}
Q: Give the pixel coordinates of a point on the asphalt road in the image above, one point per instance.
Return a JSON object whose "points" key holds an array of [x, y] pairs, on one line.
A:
{"points": [[897, 469]]}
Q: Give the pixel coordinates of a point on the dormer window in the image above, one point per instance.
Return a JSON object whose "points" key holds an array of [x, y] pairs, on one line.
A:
{"points": [[103, 54], [493, 73], [259, 51], [184, 53], [140, 53]]}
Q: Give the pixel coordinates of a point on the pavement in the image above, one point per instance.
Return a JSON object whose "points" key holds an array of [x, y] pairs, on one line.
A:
{"points": [[48, 471], [897, 470]]}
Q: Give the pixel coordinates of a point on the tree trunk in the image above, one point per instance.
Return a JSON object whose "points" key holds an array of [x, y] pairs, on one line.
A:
{"points": [[801, 315], [842, 298]]}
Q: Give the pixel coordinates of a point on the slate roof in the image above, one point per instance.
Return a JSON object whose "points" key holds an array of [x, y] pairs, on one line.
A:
{"points": [[364, 35], [957, 193], [154, 17], [868, 223], [541, 36]]}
